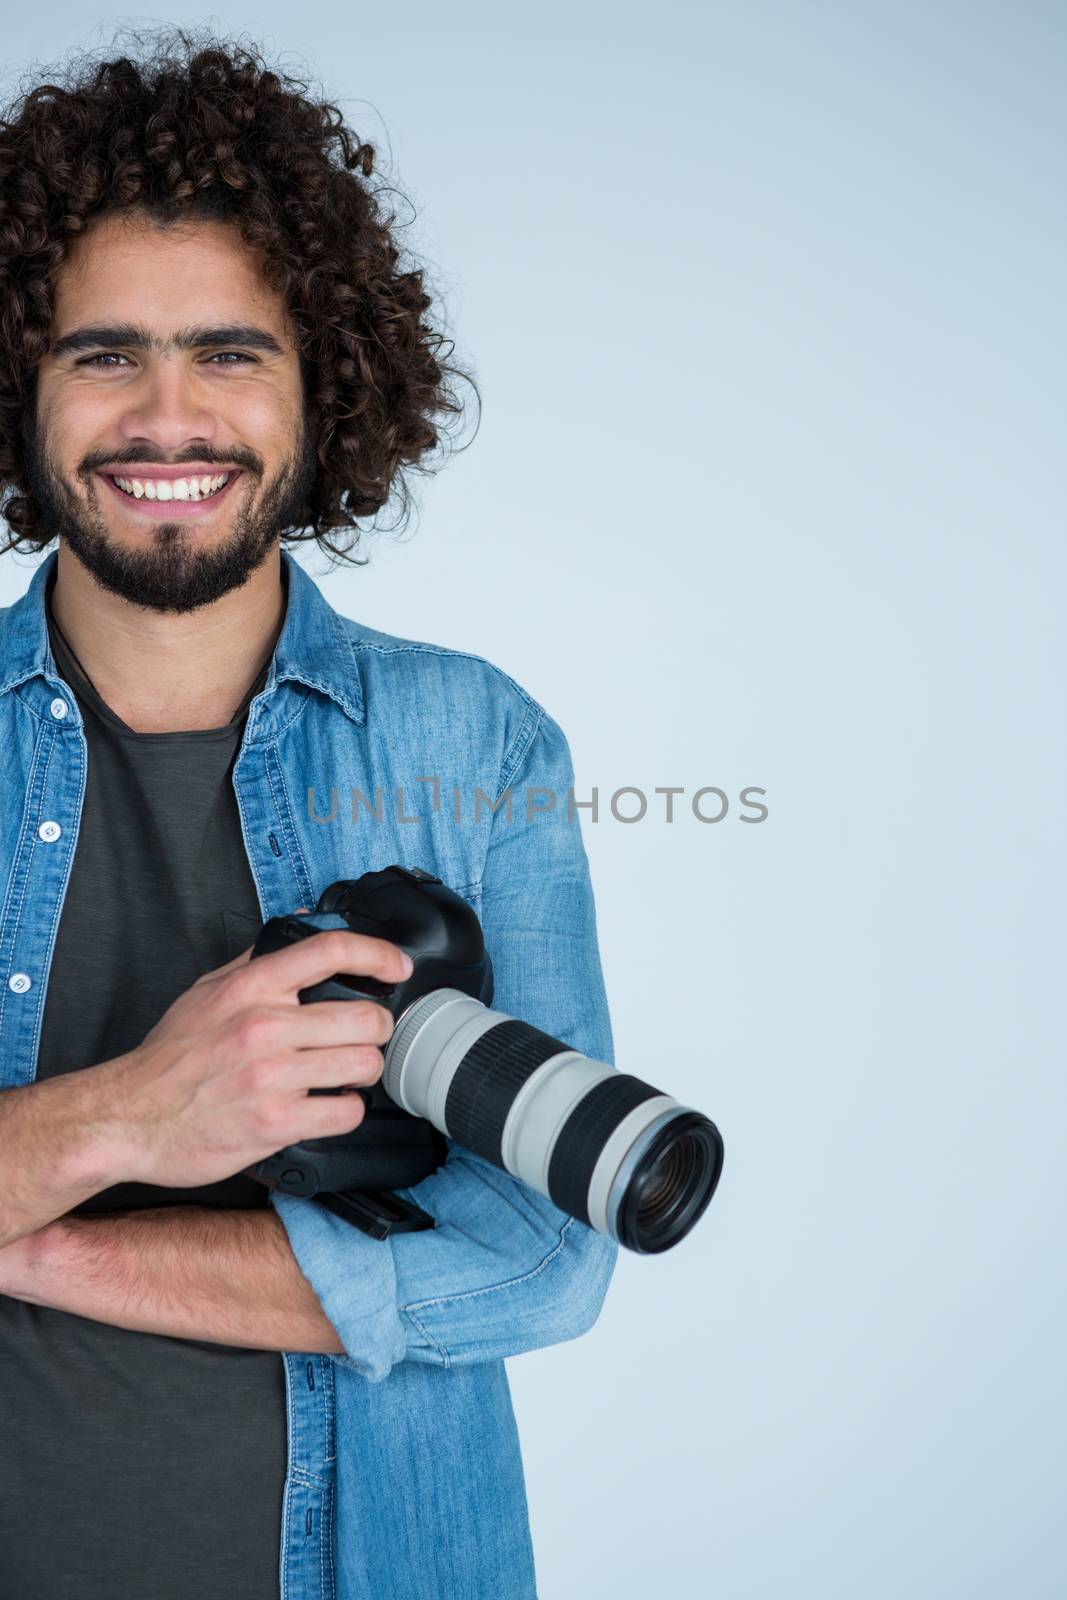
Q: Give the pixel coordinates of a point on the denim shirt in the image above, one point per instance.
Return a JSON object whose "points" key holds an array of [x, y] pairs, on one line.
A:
{"points": [[405, 1477]]}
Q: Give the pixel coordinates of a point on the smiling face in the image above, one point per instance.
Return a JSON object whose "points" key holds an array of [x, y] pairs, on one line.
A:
{"points": [[171, 365]]}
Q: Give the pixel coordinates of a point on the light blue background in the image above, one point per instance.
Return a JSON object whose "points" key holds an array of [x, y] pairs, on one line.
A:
{"points": [[766, 304]]}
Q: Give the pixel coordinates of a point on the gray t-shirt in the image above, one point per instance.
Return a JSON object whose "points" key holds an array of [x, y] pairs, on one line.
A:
{"points": [[134, 1465]]}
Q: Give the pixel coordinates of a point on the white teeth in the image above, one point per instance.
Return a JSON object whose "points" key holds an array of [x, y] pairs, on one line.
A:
{"points": [[175, 488]]}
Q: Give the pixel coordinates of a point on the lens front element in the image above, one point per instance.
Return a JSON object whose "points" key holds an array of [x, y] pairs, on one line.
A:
{"points": [[672, 1184]]}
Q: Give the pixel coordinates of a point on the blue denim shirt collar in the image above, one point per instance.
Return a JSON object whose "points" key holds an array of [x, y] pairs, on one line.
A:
{"points": [[313, 648]]}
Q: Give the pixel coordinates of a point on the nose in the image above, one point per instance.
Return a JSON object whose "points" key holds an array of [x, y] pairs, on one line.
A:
{"points": [[167, 407]]}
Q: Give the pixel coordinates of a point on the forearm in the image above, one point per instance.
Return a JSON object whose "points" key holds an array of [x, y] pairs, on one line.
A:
{"points": [[59, 1144], [189, 1272]]}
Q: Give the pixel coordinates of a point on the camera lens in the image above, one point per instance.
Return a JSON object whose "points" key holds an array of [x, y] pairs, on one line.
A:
{"points": [[671, 1184], [608, 1148]]}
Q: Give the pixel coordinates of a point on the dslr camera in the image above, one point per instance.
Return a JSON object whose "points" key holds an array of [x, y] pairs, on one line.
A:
{"points": [[615, 1152]]}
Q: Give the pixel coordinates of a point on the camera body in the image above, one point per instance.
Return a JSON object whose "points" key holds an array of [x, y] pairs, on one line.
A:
{"points": [[391, 1149]]}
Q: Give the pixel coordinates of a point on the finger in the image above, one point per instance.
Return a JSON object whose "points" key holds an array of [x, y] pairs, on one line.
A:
{"points": [[326, 1114], [333, 1069], [310, 960], [332, 1023]]}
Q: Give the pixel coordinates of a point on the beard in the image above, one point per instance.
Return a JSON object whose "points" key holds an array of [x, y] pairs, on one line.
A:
{"points": [[175, 572]]}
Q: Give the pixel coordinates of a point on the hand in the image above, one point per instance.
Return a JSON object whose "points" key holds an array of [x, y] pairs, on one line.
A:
{"points": [[221, 1081]]}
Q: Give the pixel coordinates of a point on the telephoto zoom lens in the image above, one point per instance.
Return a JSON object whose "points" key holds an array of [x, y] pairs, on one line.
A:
{"points": [[619, 1155]]}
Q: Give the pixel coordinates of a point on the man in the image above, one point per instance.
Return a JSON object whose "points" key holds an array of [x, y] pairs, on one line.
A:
{"points": [[209, 1388]]}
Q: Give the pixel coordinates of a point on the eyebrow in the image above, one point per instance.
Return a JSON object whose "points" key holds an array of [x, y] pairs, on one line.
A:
{"points": [[133, 336]]}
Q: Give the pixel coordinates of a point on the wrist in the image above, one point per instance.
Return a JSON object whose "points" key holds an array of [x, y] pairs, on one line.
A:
{"points": [[28, 1265], [104, 1154]]}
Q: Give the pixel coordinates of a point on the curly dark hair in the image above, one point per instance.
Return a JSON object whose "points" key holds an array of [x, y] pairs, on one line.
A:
{"points": [[203, 128]]}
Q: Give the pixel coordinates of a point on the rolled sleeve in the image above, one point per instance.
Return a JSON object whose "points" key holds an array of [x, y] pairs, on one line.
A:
{"points": [[505, 1270]]}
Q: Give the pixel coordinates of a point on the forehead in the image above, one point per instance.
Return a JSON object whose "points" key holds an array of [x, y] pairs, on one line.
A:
{"points": [[163, 276]]}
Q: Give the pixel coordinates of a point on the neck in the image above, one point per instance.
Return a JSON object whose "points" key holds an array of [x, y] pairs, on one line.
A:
{"points": [[163, 672]]}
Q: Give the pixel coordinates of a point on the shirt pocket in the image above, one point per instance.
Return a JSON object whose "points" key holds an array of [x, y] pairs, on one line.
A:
{"points": [[240, 930]]}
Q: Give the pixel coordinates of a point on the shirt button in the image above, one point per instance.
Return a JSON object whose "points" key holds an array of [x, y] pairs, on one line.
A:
{"points": [[48, 831], [58, 708], [19, 982]]}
